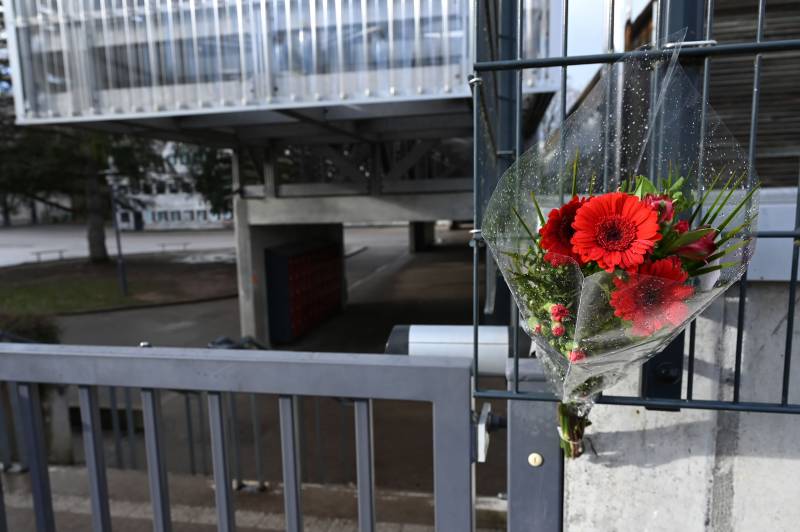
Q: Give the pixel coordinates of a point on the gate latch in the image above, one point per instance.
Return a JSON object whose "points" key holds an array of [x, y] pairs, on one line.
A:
{"points": [[487, 423]]}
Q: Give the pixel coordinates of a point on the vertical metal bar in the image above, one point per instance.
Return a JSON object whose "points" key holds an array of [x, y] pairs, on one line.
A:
{"points": [[787, 354], [365, 465], [453, 468], [517, 154], [5, 436], [609, 92], [156, 465], [130, 428], [564, 41], [320, 465], [3, 519], [95, 460], [287, 407], [255, 421], [187, 401], [233, 434], [113, 407], [33, 431], [226, 518], [16, 412], [242, 51], [475, 82], [751, 161], [203, 441], [690, 366]]}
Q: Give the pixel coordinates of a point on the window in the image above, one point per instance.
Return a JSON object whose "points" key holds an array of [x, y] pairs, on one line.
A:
{"points": [[175, 216], [162, 216], [173, 187], [147, 188], [188, 216], [125, 217], [186, 187], [202, 216], [161, 187]]}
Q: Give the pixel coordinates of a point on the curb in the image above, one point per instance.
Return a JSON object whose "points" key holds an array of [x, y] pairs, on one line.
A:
{"points": [[146, 306]]}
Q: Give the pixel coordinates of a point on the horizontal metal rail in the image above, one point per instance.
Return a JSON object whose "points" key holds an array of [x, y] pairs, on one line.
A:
{"points": [[442, 381], [748, 48], [622, 400]]}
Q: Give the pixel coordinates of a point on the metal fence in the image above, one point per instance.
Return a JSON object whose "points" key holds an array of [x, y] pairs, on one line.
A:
{"points": [[444, 383], [488, 99]]}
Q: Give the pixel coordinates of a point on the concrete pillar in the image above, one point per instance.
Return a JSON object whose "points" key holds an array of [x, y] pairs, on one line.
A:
{"points": [[421, 236], [252, 241]]}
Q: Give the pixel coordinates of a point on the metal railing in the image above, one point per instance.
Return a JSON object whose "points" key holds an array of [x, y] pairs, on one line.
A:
{"points": [[443, 382], [513, 122]]}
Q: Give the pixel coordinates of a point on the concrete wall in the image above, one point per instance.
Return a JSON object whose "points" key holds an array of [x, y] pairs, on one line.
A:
{"points": [[698, 470], [251, 241]]}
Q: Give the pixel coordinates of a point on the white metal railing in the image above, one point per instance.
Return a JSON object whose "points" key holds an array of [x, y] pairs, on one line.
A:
{"points": [[79, 59]]}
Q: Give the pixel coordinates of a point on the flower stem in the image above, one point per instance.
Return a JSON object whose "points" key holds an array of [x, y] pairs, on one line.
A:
{"points": [[572, 425]]}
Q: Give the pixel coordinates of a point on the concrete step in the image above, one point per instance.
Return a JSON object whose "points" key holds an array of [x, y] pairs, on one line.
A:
{"points": [[329, 508]]}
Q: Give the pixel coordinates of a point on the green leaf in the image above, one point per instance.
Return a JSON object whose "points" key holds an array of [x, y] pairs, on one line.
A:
{"points": [[709, 269], [644, 187], [727, 250], [715, 209], [538, 210], [705, 196], [527, 229], [742, 203], [688, 237], [575, 173]]}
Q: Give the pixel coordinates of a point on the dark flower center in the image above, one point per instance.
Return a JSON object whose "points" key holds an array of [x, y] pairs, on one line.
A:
{"points": [[616, 233], [650, 293]]}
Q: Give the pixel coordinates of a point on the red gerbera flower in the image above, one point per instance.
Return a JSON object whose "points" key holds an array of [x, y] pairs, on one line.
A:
{"points": [[681, 227], [653, 297], [557, 233], [615, 229]]}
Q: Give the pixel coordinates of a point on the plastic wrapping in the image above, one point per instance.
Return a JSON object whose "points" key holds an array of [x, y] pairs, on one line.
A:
{"points": [[645, 132]]}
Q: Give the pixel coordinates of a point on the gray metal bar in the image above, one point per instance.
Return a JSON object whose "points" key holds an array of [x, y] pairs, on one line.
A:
{"points": [[453, 468], [187, 402], [375, 376], [226, 518], [365, 458], [33, 430], [113, 407], [235, 444], [95, 460], [782, 45], [203, 440], [534, 464], [320, 459], [292, 471], [475, 83], [156, 466], [16, 412], [5, 436], [255, 421], [787, 353], [130, 427], [3, 519]]}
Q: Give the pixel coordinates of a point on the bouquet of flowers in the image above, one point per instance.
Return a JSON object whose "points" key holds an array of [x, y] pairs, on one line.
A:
{"points": [[622, 229]]}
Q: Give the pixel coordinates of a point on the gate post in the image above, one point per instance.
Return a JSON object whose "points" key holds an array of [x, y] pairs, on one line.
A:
{"points": [[535, 464]]}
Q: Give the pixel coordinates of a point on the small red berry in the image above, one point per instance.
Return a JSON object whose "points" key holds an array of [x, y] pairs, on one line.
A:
{"points": [[559, 312], [576, 355], [558, 330]]}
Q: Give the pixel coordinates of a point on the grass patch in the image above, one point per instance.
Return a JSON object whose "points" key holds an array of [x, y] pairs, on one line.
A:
{"points": [[62, 288]]}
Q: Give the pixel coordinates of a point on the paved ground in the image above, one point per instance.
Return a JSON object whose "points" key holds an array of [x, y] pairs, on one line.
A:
{"points": [[17, 244]]}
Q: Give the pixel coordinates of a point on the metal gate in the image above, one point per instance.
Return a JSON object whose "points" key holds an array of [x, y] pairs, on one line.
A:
{"points": [[499, 122]]}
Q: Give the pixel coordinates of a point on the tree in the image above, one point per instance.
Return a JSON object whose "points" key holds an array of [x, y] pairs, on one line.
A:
{"points": [[36, 163], [211, 170]]}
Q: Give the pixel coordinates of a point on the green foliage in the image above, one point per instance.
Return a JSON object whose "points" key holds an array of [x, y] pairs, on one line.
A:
{"points": [[33, 327], [211, 170]]}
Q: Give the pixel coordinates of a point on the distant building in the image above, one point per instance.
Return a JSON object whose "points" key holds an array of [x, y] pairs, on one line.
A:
{"points": [[167, 201]]}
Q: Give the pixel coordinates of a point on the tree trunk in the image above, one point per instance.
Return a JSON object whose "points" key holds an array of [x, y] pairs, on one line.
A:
{"points": [[34, 214], [6, 207], [95, 220]]}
